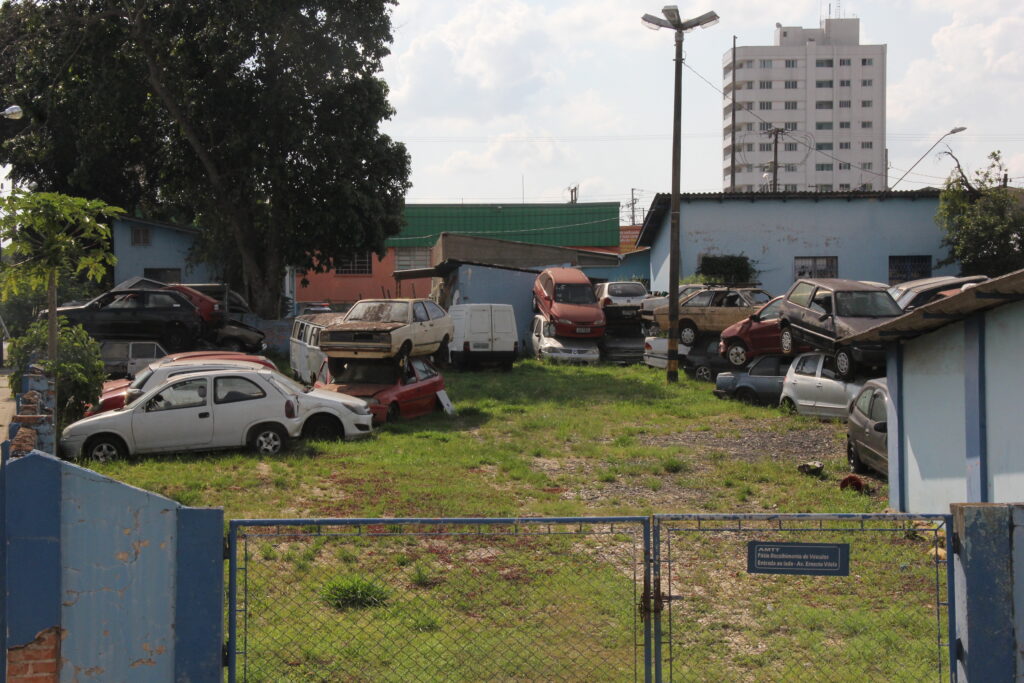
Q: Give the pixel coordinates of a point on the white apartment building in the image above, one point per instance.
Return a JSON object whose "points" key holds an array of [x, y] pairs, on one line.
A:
{"points": [[821, 95]]}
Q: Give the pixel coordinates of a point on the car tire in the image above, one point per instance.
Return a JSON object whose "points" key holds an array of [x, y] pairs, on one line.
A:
{"points": [[406, 349], [175, 337], [857, 465], [394, 412], [787, 406], [786, 340], [323, 428], [703, 373], [736, 354], [267, 439], [746, 395], [688, 333], [104, 448], [846, 367]]}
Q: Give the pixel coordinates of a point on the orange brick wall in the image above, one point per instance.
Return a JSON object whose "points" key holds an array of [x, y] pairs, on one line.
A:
{"points": [[38, 661], [351, 288]]}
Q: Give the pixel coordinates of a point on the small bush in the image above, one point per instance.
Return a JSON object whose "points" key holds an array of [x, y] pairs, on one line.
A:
{"points": [[675, 466], [422, 577], [353, 592]]}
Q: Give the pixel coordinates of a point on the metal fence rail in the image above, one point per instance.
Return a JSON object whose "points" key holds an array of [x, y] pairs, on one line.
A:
{"points": [[438, 599], [889, 619]]}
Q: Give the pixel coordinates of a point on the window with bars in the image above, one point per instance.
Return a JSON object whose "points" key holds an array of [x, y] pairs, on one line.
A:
{"points": [[790, 105], [140, 236], [354, 264], [764, 106], [791, 85], [867, 61], [766, 63], [789, 146], [844, 83], [790, 63], [764, 85], [867, 82], [844, 145], [408, 258], [844, 62], [765, 125], [868, 144], [816, 266], [844, 124], [903, 268], [866, 103], [791, 125], [844, 165]]}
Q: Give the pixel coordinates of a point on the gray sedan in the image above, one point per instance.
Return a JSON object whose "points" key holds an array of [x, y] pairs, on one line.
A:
{"points": [[761, 382], [867, 429]]}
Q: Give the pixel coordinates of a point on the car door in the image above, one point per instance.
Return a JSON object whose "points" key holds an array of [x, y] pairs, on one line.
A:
{"points": [[804, 382], [764, 334], [237, 403], [176, 418], [819, 318], [422, 397], [830, 397], [440, 321], [859, 422], [422, 338], [142, 354], [766, 376], [876, 443]]}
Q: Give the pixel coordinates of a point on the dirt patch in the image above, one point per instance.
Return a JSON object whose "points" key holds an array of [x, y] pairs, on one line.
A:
{"points": [[753, 439]]}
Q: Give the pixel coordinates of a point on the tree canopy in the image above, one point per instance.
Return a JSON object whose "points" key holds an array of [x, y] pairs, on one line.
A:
{"points": [[257, 121], [983, 220]]}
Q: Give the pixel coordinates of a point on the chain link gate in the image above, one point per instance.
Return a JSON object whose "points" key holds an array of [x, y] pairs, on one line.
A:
{"points": [[438, 599], [666, 598], [890, 619]]}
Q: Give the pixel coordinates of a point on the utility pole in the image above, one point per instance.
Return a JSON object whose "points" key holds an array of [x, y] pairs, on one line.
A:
{"points": [[775, 134], [632, 206], [732, 109]]}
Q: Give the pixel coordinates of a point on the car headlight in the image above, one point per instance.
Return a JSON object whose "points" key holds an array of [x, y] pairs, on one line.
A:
{"points": [[358, 408], [372, 402], [564, 321]]}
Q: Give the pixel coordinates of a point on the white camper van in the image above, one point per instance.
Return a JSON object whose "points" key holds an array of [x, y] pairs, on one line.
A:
{"points": [[484, 333]]}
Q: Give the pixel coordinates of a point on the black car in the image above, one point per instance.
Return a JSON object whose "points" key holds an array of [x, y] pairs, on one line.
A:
{"points": [[161, 314], [703, 362], [761, 382], [821, 312]]}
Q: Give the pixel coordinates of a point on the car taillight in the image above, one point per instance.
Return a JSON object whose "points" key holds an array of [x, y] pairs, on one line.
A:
{"points": [[648, 347], [605, 301], [216, 307], [289, 409]]}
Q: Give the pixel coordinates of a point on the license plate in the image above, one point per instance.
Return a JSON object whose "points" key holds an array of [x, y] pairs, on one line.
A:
{"points": [[582, 330]]}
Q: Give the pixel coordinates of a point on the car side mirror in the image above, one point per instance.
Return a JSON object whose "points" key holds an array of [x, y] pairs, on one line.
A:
{"points": [[882, 427], [755, 318], [131, 395], [824, 316]]}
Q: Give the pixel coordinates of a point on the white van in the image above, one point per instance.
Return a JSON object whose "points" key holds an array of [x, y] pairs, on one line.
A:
{"points": [[483, 333], [304, 354]]}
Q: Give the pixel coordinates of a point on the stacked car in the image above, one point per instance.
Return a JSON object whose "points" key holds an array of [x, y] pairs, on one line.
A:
{"points": [[568, 316], [623, 340]]}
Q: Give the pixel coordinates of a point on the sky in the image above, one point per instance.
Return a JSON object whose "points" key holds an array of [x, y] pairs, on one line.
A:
{"points": [[520, 100]]}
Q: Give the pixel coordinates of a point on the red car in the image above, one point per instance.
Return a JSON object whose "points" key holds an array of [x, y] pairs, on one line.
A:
{"points": [[114, 391], [393, 390], [754, 336], [566, 297], [208, 307]]}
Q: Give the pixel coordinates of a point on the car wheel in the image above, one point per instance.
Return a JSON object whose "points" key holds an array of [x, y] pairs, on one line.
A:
{"points": [[702, 373], [745, 395], [787, 406], [845, 366], [394, 413], [857, 465], [441, 355], [736, 354], [105, 448], [267, 439], [323, 428], [786, 340], [175, 337], [688, 333], [232, 344], [405, 350]]}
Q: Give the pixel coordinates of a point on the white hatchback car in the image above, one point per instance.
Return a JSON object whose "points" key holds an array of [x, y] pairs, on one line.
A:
{"points": [[218, 409], [812, 387], [544, 345]]}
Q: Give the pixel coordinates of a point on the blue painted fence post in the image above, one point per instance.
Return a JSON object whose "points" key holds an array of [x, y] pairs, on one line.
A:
{"points": [[989, 577]]}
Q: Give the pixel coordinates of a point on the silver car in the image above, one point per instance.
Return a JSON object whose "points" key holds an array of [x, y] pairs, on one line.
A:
{"points": [[544, 345], [812, 387], [867, 443]]}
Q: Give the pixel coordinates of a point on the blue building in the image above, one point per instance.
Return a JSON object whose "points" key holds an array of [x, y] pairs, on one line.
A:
{"points": [[880, 236], [155, 250]]}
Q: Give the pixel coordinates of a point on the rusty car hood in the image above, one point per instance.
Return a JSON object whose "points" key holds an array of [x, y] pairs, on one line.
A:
{"points": [[360, 326]]}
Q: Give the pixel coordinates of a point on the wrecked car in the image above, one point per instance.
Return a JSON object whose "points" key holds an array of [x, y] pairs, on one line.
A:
{"points": [[385, 328], [712, 310], [392, 388]]}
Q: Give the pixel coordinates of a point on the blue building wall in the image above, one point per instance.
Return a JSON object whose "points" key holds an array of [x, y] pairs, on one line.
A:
{"points": [[474, 284], [168, 248], [862, 232], [633, 266]]}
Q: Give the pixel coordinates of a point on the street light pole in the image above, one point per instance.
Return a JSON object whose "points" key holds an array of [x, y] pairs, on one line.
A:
{"points": [[958, 129], [672, 21]]}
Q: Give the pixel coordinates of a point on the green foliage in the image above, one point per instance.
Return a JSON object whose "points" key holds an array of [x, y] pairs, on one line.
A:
{"points": [[983, 221], [728, 269], [353, 592], [258, 121], [21, 311], [78, 372]]}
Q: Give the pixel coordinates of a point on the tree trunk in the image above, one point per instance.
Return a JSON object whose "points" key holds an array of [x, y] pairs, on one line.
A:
{"points": [[51, 317]]}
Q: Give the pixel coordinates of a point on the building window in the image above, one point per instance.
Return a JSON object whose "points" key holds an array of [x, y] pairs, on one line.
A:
{"points": [[765, 147], [867, 61], [140, 236], [162, 274], [844, 61], [790, 63], [844, 165], [790, 125], [823, 104], [765, 125], [844, 187], [791, 85], [867, 145], [867, 82], [766, 63], [866, 124], [790, 105], [823, 125], [789, 188], [823, 62], [844, 124], [903, 268], [748, 147], [407, 258], [867, 166], [844, 104], [866, 186], [823, 145], [789, 146], [822, 84], [815, 266], [844, 84], [355, 264], [764, 106], [844, 145], [823, 167], [823, 188], [746, 105], [765, 85], [866, 103], [789, 168]]}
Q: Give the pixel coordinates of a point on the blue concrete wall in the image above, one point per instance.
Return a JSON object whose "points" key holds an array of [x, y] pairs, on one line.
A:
{"points": [[634, 266], [135, 580], [861, 232], [168, 248], [485, 285]]}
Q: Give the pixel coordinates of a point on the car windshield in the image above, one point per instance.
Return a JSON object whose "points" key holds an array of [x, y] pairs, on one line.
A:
{"points": [[141, 378], [286, 384], [363, 372], [574, 294], [379, 312], [866, 305], [626, 289]]}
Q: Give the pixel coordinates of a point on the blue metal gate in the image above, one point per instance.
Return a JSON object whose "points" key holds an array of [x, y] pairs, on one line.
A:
{"points": [[662, 598]]}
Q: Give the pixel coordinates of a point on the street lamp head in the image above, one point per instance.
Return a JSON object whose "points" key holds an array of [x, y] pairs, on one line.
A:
{"points": [[671, 13], [703, 21], [654, 23], [13, 112], [958, 129]]}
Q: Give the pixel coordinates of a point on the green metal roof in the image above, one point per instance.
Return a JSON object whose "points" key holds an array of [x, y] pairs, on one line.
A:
{"points": [[593, 224]]}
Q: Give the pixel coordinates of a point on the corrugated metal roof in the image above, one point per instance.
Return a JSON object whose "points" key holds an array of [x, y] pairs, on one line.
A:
{"points": [[942, 312], [591, 224]]}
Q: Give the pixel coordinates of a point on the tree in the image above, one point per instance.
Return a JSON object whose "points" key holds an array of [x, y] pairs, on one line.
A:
{"points": [[259, 121], [983, 220], [48, 232]]}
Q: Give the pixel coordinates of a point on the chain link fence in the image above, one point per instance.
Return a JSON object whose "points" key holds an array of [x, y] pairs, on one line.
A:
{"points": [[887, 620], [429, 600]]}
